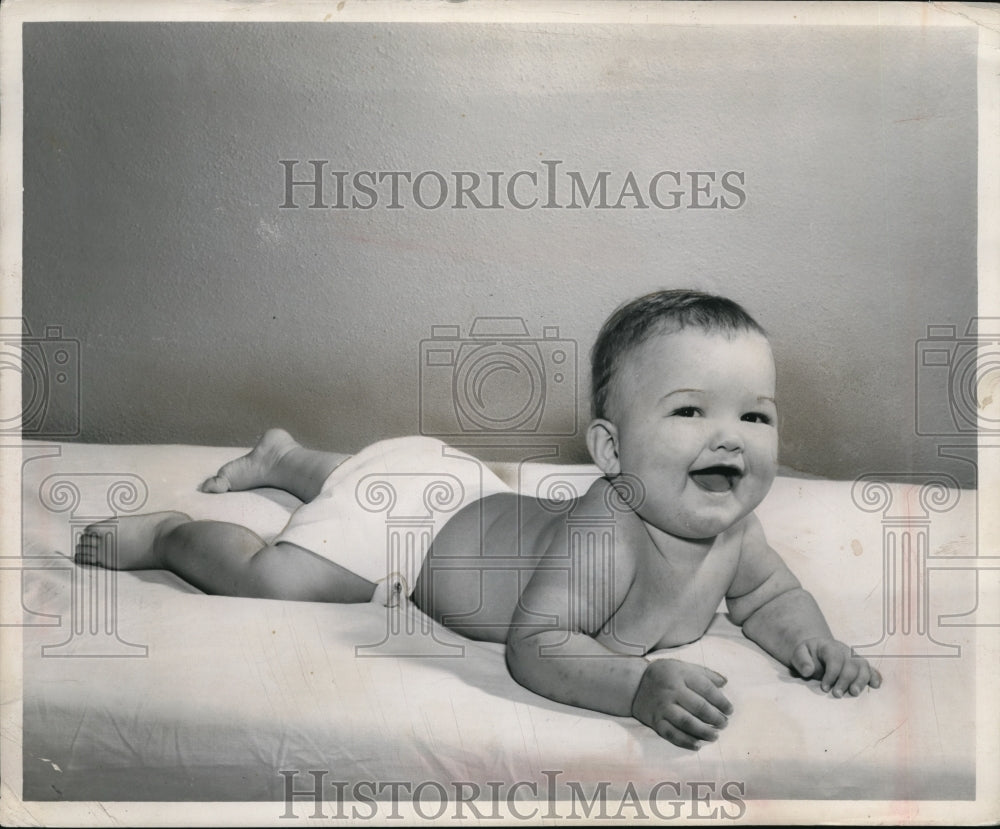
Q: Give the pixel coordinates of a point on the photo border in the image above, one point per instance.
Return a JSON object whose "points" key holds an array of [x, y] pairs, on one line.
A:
{"points": [[987, 21]]}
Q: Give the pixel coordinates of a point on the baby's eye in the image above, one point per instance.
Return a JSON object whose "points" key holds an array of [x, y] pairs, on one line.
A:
{"points": [[686, 411], [757, 417]]}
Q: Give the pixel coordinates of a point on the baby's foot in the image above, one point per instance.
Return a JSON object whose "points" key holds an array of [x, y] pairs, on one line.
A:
{"points": [[254, 469], [126, 543]]}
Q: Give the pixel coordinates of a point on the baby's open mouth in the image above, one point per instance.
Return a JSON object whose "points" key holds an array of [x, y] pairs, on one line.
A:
{"points": [[716, 478]]}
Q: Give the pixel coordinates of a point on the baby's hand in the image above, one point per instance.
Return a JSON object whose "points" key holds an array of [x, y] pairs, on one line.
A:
{"points": [[682, 702], [832, 660]]}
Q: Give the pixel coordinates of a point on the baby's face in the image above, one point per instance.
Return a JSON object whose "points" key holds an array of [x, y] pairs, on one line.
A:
{"points": [[697, 424]]}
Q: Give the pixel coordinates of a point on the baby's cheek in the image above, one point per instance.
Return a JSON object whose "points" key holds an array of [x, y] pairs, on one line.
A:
{"points": [[768, 452]]}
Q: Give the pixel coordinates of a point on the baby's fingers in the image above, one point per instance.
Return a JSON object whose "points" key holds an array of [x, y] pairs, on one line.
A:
{"points": [[668, 731], [867, 675], [848, 674], [701, 708], [834, 664], [705, 687], [689, 724], [803, 662]]}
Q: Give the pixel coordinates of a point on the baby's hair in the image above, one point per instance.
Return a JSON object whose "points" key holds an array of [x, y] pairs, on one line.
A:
{"points": [[669, 310]]}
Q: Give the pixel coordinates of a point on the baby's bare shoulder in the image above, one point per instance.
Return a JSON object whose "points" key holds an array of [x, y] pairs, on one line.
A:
{"points": [[597, 522]]}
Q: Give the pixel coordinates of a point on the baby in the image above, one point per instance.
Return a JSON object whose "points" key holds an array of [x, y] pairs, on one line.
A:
{"points": [[685, 433]]}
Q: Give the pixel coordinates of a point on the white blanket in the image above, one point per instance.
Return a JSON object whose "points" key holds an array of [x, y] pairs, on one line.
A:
{"points": [[139, 687]]}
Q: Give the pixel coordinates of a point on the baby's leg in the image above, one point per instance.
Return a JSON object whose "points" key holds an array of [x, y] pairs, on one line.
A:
{"points": [[219, 558], [278, 460]]}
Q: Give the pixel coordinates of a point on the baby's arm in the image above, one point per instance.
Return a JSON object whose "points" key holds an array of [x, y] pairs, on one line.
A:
{"points": [[551, 650], [776, 613]]}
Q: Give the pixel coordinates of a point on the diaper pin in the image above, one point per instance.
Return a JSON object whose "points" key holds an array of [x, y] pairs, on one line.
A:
{"points": [[391, 591]]}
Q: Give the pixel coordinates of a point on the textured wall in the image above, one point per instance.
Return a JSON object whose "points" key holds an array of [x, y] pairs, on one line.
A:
{"points": [[153, 232]]}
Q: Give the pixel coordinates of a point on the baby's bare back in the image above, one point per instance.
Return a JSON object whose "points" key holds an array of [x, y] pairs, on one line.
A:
{"points": [[481, 561]]}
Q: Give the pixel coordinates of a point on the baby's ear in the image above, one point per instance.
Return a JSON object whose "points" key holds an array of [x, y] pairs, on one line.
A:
{"points": [[602, 441]]}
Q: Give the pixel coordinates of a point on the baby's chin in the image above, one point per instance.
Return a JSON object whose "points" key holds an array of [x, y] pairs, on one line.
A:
{"points": [[704, 525], [693, 527], [705, 530]]}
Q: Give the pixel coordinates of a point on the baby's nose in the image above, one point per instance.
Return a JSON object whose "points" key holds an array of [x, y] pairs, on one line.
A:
{"points": [[727, 438]]}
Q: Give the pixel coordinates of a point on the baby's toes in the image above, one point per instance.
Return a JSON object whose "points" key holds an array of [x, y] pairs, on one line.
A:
{"points": [[217, 484], [87, 548]]}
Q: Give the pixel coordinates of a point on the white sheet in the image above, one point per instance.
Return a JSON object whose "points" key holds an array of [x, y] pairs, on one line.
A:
{"points": [[211, 698]]}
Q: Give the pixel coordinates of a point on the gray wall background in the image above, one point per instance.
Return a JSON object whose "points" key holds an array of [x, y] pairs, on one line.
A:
{"points": [[205, 313]]}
